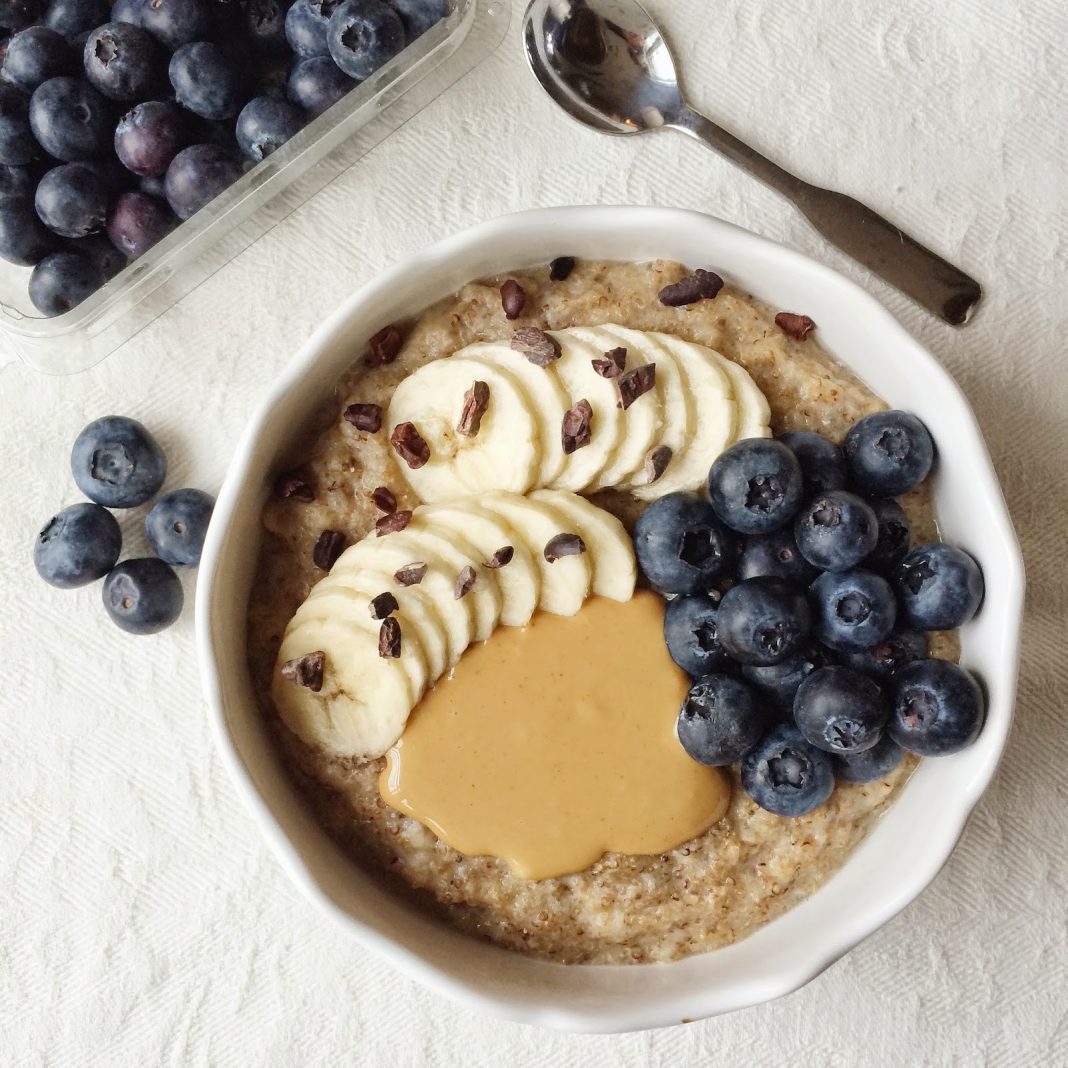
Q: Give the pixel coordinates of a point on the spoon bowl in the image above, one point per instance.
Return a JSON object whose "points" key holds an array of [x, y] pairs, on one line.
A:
{"points": [[606, 63], [610, 68]]}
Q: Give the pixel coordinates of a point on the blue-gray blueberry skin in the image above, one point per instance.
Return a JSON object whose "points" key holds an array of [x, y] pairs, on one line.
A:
{"points": [[690, 632], [940, 587], [122, 61], [72, 201], [77, 546], [871, 765], [264, 125], [895, 533], [836, 530], [681, 546], [116, 462], [780, 681], [901, 646], [61, 281], [363, 36], [721, 719], [888, 453], [762, 621], [938, 708], [36, 54], [755, 486], [71, 120], [775, 555], [197, 175], [142, 596], [177, 525], [840, 711], [787, 775], [823, 465], [852, 609], [419, 16]]}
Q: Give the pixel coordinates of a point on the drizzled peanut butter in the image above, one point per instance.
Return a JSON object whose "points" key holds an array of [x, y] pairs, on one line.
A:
{"points": [[554, 743]]}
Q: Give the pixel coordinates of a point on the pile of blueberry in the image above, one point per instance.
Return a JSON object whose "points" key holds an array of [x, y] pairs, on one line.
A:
{"points": [[118, 121], [800, 611], [118, 464]]}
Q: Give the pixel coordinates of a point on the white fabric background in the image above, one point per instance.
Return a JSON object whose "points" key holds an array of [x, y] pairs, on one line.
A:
{"points": [[143, 921]]}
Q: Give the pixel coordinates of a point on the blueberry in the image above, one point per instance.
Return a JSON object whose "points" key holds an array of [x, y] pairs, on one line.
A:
{"points": [[136, 222], [823, 467], [62, 280], [149, 136], [100, 252], [24, 239], [938, 708], [130, 11], [940, 586], [680, 544], [762, 621], [317, 83], [117, 462], [419, 15], [122, 61], [265, 25], [780, 681], [17, 144], [17, 184], [852, 609], [840, 711], [306, 25], [205, 80], [73, 17], [755, 486], [176, 22], [265, 124], [691, 635], [197, 175], [14, 14], [36, 54], [153, 185], [70, 119], [888, 453], [77, 546], [786, 775], [177, 524], [880, 661], [143, 596], [836, 530], [116, 178], [363, 36], [775, 555], [893, 539], [721, 720], [871, 765], [72, 201]]}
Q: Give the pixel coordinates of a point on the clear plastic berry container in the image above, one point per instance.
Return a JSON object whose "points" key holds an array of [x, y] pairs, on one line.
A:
{"points": [[260, 199]]}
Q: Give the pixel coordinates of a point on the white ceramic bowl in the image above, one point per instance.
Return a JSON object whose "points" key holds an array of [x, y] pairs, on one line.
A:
{"points": [[910, 843]]}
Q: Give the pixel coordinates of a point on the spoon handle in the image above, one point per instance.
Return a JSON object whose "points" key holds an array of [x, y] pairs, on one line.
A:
{"points": [[934, 283]]}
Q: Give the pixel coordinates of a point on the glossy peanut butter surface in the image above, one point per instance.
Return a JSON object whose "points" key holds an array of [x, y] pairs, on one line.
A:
{"points": [[551, 744]]}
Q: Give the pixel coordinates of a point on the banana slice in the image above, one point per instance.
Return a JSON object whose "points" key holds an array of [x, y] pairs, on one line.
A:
{"points": [[712, 387], [519, 580], [678, 406], [754, 415], [547, 396], [365, 700], [641, 422], [580, 381], [455, 553], [565, 584], [504, 454], [456, 617], [350, 596], [608, 545]]}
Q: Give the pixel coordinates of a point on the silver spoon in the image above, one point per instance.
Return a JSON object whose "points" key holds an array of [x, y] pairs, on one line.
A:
{"points": [[606, 64]]}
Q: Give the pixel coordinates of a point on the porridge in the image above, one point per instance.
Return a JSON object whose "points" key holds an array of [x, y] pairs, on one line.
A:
{"points": [[710, 890]]}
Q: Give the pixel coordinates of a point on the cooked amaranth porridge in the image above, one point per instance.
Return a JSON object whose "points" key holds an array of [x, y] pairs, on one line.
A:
{"points": [[709, 891]]}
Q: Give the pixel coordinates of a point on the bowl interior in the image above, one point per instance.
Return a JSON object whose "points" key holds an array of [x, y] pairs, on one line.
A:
{"points": [[922, 826]]}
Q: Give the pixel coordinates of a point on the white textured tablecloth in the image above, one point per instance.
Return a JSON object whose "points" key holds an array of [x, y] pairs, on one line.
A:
{"points": [[144, 922]]}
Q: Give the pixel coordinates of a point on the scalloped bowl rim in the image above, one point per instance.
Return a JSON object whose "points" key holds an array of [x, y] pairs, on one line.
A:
{"points": [[873, 886]]}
